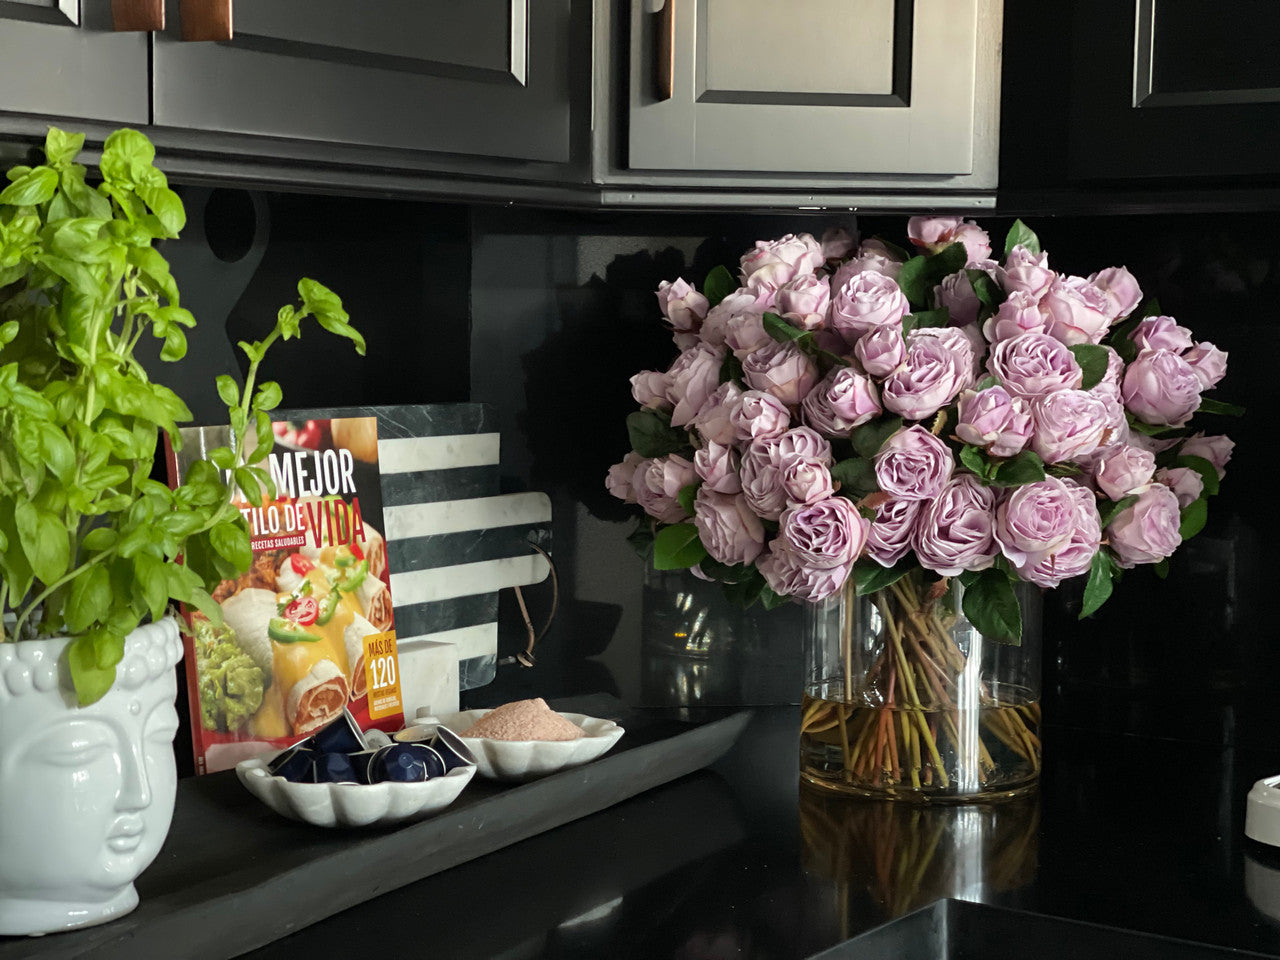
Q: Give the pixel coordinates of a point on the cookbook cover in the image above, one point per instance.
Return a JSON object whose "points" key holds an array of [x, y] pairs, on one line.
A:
{"points": [[309, 628]]}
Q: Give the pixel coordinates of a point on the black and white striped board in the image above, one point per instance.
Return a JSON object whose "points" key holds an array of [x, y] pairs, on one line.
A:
{"points": [[452, 541]]}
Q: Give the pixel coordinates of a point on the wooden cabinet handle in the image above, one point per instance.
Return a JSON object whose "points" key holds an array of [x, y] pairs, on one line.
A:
{"points": [[664, 60], [137, 14], [205, 19]]}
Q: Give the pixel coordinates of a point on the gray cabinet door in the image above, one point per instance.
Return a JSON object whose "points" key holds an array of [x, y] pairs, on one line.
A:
{"points": [[875, 88], [482, 78], [59, 58]]}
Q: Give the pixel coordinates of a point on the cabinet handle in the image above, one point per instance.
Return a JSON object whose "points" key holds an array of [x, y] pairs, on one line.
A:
{"points": [[205, 19], [664, 61], [137, 15]]}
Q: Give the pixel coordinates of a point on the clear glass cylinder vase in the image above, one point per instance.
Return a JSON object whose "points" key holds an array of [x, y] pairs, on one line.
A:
{"points": [[904, 699]]}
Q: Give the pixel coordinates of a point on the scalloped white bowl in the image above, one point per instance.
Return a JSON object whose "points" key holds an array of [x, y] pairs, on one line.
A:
{"points": [[351, 804], [520, 760]]}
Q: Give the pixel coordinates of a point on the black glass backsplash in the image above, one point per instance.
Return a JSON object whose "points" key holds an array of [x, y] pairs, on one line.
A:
{"points": [[546, 314]]}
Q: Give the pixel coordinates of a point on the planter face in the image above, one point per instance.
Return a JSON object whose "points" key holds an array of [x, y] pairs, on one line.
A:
{"points": [[87, 792]]}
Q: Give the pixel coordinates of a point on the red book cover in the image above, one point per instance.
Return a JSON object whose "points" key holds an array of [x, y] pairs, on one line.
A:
{"points": [[309, 628]]}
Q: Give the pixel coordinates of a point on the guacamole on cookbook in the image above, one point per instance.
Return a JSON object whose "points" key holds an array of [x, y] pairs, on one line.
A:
{"points": [[231, 684]]}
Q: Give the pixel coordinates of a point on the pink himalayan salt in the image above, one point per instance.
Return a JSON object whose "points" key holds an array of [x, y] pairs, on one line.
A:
{"points": [[524, 720]]}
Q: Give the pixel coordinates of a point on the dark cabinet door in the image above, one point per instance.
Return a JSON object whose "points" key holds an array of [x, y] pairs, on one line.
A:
{"points": [[1175, 88], [481, 78], [60, 58]]}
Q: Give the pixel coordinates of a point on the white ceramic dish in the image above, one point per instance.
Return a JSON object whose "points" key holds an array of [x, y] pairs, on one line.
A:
{"points": [[520, 760], [351, 804]]}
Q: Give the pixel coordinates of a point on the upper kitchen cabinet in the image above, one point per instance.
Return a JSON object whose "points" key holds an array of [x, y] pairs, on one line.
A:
{"points": [[810, 94], [484, 78], [1175, 88], [60, 58]]}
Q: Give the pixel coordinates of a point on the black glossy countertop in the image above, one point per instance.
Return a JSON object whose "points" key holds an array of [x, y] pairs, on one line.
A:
{"points": [[1138, 833]]}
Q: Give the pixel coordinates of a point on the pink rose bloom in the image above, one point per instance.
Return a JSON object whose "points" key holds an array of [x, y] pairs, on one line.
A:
{"points": [[844, 399], [891, 531], [806, 480], [1122, 469], [805, 302], [798, 442], [965, 342], [954, 530], [650, 389], [758, 416], [782, 369], [938, 233], [1161, 333], [931, 377], [1034, 364], [727, 527], [1121, 290], [775, 262], [1074, 557], [1161, 388], [1117, 430], [659, 483], [1036, 519], [619, 479], [873, 257], [1115, 370], [1025, 271], [1217, 450], [913, 464], [761, 478], [1067, 425], [881, 351], [717, 465], [1077, 311], [1209, 363], [739, 303], [1020, 313], [787, 575], [1187, 485], [837, 243], [865, 302], [995, 421], [829, 533], [693, 378], [1147, 532], [714, 420], [682, 305], [744, 334], [956, 293]]}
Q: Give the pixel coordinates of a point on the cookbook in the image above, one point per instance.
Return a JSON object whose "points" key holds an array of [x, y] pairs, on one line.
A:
{"points": [[308, 630]]}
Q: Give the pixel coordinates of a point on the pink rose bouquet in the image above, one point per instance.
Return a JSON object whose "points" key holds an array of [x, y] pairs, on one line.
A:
{"points": [[842, 409]]}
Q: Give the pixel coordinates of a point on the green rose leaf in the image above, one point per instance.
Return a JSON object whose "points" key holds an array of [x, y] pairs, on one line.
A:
{"points": [[1194, 517], [870, 437], [1218, 407], [726, 572], [731, 369], [782, 331], [988, 291], [1208, 472], [1021, 235], [925, 318], [641, 538], [1098, 587], [975, 459], [1026, 467], [869, 576], [770, 600], [686, 497], [1112, 510], [718, 285], [1093, 361], [991, 605], [856, 476], [677, 546], [652, 435]]}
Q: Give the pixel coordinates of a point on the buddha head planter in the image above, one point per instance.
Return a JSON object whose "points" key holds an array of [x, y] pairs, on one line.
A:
{"points": [[87, 792]]}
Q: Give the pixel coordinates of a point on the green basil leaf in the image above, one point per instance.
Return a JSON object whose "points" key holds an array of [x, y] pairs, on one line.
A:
{"points": [[268, 396], [677, 546], [35, 186], [62, 147], [91, 681], [45, 540], [231, 542], [89, 598], [228, 391], [98, 539]]}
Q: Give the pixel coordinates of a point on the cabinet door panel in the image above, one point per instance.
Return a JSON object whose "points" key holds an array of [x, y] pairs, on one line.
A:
{"points": [[488, 77], [1173, 91], [60, 58], [877, 87]]}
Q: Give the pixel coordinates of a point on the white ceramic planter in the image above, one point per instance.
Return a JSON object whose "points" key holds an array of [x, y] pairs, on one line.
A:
{"points": [[86, 793]]}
